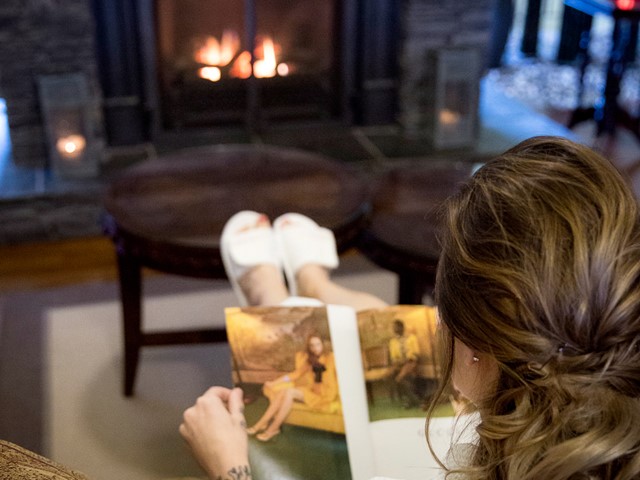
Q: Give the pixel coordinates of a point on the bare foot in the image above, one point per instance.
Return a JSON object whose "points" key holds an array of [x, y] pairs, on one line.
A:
{"points": [[312, 280], [263, 285]]}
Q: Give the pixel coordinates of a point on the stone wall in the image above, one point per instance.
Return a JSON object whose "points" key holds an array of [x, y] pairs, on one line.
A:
{"points": [[51, 216], [426, 26], [41, 37]]}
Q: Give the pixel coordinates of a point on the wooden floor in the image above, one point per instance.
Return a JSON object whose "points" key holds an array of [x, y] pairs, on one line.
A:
{"points": [[54, 264]]}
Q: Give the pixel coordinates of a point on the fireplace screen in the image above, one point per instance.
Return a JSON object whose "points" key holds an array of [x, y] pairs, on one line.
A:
{"points": [[223, 59]]}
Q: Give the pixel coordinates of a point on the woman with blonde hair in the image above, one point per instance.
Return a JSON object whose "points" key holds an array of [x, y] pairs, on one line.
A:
{"points": [[538, 291]]}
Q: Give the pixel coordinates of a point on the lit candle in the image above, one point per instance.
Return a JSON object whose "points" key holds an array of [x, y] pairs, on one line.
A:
{"points": [[449, 117], [71, 146]]}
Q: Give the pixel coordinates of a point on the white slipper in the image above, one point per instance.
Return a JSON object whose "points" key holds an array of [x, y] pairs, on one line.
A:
{"points": [[244, 244], [302, 242]]}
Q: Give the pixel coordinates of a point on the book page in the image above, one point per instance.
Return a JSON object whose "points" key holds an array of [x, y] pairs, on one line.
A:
{"points": [[346, 345], [400, 447], [281, 354], [399, 351]]}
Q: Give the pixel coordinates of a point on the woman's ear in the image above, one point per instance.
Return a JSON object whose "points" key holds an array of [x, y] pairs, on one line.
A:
{"points": [[475, 375], [466, 355]]}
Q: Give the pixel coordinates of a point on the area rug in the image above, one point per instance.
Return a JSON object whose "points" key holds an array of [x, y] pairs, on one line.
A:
{"points": [[91, 427]]}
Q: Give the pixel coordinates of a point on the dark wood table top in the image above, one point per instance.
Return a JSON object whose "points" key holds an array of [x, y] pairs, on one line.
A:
{"points": [[402, 235], [169, 212]]}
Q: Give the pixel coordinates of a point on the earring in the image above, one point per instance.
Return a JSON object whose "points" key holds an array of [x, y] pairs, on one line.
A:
{"points": [[475, 359]]}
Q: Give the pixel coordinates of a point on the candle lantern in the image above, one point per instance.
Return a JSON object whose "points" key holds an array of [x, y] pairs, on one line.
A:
{"points": [[452, 88], [69, 118]]}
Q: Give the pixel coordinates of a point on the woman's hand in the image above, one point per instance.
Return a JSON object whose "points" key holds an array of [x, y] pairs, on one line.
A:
{"points": [[215, 429]]}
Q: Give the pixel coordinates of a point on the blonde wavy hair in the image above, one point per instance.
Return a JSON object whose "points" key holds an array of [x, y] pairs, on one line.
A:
{"points": [[540, 268]]}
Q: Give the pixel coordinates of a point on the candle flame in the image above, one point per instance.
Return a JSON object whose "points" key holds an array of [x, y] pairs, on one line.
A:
{"points": [[71, 146]]}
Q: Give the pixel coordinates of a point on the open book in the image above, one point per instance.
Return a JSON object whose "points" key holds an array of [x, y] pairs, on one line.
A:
{"points": [[362, 413]]}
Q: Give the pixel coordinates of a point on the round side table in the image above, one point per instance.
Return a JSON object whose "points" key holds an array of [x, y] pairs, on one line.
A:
{"points": [[402, 235], [167, 214]]}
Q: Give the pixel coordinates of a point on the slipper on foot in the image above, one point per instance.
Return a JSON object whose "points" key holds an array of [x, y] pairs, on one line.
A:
{"points": [[247, 240], [303, 242]]}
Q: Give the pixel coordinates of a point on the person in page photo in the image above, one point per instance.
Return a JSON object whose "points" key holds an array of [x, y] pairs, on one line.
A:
{"points": [[538, 295], [313, 382], [404, 352]]}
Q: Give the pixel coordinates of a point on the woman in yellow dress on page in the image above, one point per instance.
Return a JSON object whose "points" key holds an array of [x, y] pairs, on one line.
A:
{"points": [[313, 382]]}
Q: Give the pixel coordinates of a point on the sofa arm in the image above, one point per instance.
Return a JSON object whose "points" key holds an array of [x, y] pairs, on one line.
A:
{"points": [[19, 463]]}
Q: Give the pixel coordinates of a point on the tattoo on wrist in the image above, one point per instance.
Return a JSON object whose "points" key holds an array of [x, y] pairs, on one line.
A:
{"points": [[241, 472]]}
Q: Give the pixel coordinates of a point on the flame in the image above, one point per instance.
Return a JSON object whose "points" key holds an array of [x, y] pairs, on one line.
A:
{"points": [[242, 66], [210, 73], [71, 146], [449, 117], [218, 53], [266, 66]]}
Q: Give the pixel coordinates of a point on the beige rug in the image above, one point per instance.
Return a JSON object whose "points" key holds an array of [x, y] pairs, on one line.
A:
{"points": [[91, 427]]}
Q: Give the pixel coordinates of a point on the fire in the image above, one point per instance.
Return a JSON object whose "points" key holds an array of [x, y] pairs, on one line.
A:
{"points": [[217, 54], [210, 73], [266, 66], [242, 66]]}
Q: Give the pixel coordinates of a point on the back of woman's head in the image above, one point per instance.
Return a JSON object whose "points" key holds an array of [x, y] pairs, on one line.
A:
{"points": [[540, 268]]}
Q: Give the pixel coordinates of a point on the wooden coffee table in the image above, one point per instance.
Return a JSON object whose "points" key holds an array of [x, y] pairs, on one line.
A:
{"points": [[167, 214]]}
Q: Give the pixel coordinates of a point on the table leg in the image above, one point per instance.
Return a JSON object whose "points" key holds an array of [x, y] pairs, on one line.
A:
{"points": [[529, 46], [607, 110], [580, 113], [130, 277], [412, 288], [572, 34]]}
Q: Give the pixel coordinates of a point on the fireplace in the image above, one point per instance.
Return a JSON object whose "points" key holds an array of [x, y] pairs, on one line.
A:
{"points": [[188, 63], [223, 62], [368, 66], [345, 63]]}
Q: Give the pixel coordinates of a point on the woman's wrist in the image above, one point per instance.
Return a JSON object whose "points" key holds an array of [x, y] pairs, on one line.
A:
{"points": [[239, 470]]}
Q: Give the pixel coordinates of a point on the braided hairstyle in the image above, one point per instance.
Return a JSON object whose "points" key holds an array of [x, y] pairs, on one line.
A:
{"points": [[540, 268]]}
